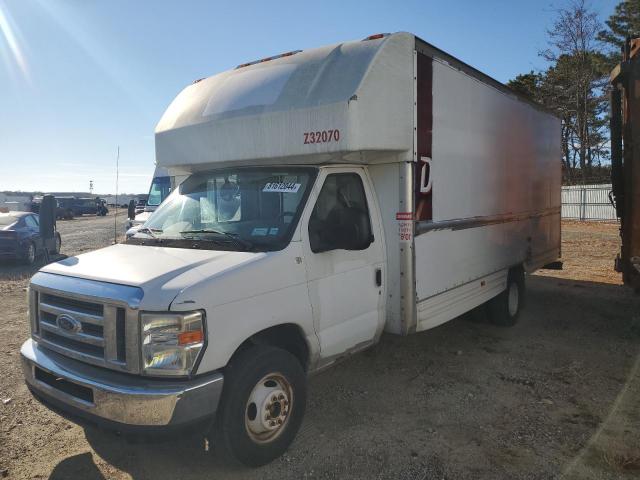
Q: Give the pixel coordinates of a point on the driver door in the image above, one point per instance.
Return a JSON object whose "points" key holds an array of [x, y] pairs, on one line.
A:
{"points": [[344, 257], [33, 227]]}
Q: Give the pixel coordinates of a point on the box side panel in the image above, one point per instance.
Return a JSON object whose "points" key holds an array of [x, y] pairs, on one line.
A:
{"points": [[492, 154], [495, 182]]}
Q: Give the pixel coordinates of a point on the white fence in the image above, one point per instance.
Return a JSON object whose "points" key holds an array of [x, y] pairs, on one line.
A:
{"points": [[587, 202]]}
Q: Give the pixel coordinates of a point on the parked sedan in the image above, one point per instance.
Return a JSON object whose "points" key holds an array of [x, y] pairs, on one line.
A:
{"points": [[20, 237]]}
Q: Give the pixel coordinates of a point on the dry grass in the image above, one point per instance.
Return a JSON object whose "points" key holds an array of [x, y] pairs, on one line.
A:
{"points": [[622, 457], [588, 252]]}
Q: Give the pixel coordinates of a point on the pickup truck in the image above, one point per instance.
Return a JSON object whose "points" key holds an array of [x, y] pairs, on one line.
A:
{"points": [[332, 194]]}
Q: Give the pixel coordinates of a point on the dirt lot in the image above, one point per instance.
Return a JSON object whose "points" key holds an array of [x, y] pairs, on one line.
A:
{"points": [[555, 396]]}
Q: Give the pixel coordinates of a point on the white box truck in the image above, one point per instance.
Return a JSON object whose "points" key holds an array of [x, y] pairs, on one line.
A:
{"points": [[333, 194], [162, 184]]}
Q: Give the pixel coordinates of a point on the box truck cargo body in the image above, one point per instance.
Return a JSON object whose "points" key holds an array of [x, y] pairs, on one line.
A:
{"points": [[331, 194]]}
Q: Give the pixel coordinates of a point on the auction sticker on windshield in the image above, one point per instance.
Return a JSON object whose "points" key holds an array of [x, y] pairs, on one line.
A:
{"points": [[281, 187]]}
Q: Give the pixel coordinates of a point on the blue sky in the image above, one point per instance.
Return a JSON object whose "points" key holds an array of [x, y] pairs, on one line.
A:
{"points": [[80, 77]]}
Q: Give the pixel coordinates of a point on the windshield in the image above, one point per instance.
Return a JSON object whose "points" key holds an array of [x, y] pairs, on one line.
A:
{"points": [[160, 189], [233, 209]]}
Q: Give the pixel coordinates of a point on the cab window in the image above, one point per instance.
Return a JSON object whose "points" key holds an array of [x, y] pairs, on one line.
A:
{"points": [[340, 218]]}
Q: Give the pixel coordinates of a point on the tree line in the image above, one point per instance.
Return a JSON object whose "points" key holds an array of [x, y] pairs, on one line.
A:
{"points": [[581, 52]]}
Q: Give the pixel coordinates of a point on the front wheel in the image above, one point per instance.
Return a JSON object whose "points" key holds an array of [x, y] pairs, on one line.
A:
{"points": [[262, 405], [58, 244], [505, 308]]}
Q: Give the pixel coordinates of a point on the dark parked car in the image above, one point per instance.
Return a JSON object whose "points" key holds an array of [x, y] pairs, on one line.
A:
{"points": [[90, 206], [69, 207], [20, 237], [66, 208]]}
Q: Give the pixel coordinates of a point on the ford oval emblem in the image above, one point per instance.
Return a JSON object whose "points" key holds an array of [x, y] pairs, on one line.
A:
{"points": [[68, 323]]}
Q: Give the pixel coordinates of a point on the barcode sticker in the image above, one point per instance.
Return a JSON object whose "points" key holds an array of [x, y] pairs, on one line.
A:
{"points": [[281, 187]]}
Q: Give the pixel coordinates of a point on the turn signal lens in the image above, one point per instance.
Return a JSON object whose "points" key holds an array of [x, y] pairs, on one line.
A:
{"points": [[187, 338]]}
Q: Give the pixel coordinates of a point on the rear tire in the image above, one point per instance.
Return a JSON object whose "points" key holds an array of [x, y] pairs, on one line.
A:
{"points": [[30, 254], [505, 308], [263, 402]]}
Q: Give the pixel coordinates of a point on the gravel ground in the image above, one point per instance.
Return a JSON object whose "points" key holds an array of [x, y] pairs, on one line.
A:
{"points": [[554, 397]]}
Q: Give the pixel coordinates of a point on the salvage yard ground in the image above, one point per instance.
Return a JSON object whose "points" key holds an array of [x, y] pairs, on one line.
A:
{"points": [[557, 396]]}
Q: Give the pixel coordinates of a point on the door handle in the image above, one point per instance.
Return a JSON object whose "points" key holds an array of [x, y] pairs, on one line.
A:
{"points": [[378, 277]]}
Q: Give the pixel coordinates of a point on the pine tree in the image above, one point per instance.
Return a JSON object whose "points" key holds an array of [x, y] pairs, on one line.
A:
{"points": [[625, 22], [573, 88], [573, 50], [527, 85]]}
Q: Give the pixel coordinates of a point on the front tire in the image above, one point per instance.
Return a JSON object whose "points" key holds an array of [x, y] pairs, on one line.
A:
{"points": [[262, 405], [505, 308], [58, 244]]}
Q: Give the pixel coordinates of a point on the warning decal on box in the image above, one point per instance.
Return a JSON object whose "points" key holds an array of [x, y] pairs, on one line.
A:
{"points": [[405, 226], [404, 216]]}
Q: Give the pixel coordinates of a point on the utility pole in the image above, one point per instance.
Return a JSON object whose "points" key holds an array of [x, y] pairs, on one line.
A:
{"points": [[115, 216]]}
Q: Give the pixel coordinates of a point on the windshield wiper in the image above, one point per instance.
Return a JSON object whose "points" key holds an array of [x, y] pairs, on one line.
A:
{"points": [[149, 231], [246, 244]]}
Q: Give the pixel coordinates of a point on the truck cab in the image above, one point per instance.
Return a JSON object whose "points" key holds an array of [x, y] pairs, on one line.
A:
{"points": [[277, 245]]}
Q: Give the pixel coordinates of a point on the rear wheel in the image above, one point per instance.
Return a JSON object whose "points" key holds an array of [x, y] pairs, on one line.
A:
{"points": [[505, 308], [262, 405], [30, 254]]}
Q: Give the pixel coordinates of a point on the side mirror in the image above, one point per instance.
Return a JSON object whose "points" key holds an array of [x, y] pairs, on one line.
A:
{"points": [[48, 217], [131, 210]]}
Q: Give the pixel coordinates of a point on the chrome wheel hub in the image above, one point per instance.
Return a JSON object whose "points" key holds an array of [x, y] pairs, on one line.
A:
{"points": [[268, 408]]}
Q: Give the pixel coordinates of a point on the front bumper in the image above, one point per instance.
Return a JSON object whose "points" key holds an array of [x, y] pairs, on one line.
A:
{"points": [[117, 400]]}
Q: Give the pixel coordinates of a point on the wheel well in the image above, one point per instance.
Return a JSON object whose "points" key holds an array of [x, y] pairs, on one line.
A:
{"points": [[517, 271], [287, 336]]}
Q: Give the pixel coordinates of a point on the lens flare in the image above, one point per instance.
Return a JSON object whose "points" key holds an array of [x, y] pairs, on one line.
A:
{"points": [[8, 33]]}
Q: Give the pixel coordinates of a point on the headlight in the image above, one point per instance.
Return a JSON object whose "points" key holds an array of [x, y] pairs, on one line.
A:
{"points": [[171, 342]]}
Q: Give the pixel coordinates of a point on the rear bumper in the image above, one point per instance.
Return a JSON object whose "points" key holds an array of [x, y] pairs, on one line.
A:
{"points": [[118, 401]]}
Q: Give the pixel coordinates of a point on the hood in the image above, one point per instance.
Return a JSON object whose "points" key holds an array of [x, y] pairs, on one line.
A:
{"points": [[161, 272], [144, 215]]}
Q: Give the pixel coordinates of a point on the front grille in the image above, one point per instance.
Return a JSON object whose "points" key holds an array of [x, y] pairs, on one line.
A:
{"points": [[73, 304], [98, 331]]}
